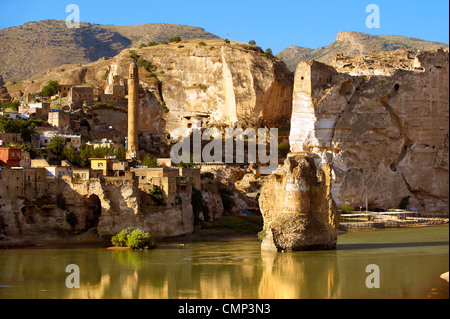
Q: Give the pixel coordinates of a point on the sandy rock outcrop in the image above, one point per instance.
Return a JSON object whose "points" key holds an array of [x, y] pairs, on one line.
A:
{"points": [[298, 208], [386, 136]]}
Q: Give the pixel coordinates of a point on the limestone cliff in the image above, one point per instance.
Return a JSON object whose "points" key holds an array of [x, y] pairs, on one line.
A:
{"points": [[214, 82], [298, 209], [386, 135]]}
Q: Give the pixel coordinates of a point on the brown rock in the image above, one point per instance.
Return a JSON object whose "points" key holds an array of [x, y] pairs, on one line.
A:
{"points": [[298, 209]]}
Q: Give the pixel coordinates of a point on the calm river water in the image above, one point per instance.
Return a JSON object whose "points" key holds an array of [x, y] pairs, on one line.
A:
{"points": [[410, 263]]}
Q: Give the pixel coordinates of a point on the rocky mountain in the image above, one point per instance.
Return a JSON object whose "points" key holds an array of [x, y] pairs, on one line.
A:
{"points": [[354, 43], [35, 47], [209, 80]]}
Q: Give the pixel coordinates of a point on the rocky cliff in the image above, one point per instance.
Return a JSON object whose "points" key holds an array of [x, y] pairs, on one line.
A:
{"points": [[385, 135], [298, 209], [355, 43], [214, 82], [60, 206]]}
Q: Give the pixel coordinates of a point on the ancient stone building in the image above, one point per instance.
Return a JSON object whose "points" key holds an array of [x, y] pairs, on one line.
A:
{"points": [[385, 135], [80, 94]]}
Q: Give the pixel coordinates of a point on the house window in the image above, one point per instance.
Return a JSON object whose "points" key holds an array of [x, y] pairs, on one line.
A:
{"points": [[83, 175], [100, 165]]}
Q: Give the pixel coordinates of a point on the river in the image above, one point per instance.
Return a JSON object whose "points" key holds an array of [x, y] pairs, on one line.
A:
{"points": [[410, 262]]}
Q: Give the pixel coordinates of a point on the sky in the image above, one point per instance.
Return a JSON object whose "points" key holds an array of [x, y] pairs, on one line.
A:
{"points": [[275, 24]]}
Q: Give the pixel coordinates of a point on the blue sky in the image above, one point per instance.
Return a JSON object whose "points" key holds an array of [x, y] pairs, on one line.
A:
{"points": [[274, 24]]}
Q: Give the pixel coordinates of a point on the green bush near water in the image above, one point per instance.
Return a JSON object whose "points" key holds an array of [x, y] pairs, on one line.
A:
{"points": [[134, 239]]}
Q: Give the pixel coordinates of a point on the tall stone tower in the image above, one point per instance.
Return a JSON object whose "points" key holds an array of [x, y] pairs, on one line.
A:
{"points": [[133, 104]]}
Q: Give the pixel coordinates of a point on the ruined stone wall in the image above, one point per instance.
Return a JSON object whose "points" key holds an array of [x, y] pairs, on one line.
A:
{"points": [[386, 136]]}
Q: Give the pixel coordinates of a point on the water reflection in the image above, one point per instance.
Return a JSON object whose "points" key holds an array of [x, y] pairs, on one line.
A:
{"points": [[229, 270]]}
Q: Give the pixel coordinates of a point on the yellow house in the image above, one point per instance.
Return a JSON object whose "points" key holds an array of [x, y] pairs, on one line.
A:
{"points": [[101, 164]]}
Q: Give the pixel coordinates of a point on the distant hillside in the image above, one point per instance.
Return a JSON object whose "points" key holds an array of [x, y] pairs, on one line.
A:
{"points": [[354, 43], [35, 47]]}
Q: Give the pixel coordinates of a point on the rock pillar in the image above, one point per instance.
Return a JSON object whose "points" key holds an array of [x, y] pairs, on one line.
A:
{"points": [[297, 206]]}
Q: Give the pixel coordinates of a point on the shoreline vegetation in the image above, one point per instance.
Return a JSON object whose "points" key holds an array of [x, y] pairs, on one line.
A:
{"points": [[224, 229]]}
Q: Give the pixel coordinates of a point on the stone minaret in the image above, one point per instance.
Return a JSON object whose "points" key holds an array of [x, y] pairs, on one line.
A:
{"points": [[133, 104]]}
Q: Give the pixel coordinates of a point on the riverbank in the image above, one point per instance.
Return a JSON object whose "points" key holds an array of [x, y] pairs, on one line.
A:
{"points": [[228, 228]]}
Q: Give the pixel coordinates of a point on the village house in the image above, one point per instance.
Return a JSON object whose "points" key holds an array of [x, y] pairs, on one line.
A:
{"points": [[64, 90], [7, 138], [10, 157], [45, 139], [103, 143], [81, 174], [40, 109], [80, 94], [173, 181], [109, 166], [25, 160], [59, 119]]}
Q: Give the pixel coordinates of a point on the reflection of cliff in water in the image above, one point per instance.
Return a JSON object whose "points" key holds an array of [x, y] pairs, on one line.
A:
{"points": [[410, 262], [299, 276]]}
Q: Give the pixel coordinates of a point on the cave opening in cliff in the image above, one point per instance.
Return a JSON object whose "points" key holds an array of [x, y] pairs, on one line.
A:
{"points": [[94, 210]]}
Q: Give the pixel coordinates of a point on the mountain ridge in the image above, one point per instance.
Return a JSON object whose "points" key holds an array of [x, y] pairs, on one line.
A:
{"points": [[47, 44], [353, 43]]}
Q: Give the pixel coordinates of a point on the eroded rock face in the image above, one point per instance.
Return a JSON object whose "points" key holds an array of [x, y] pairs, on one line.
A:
{"points": [[385, 135], [213, 83], [297, 206]]}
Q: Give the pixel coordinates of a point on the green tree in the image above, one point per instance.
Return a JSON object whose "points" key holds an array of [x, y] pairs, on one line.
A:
{"points": [[157, 195], [10, 105], [52, 88], [175, 39], [120, 153], [84, 155], [71, 154], [133, 54], [120, 240], [152, 43], [252, 42], [26, 127], [150, 162], [139, 239], [269, 52], [141, 62], [56, 145]]}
